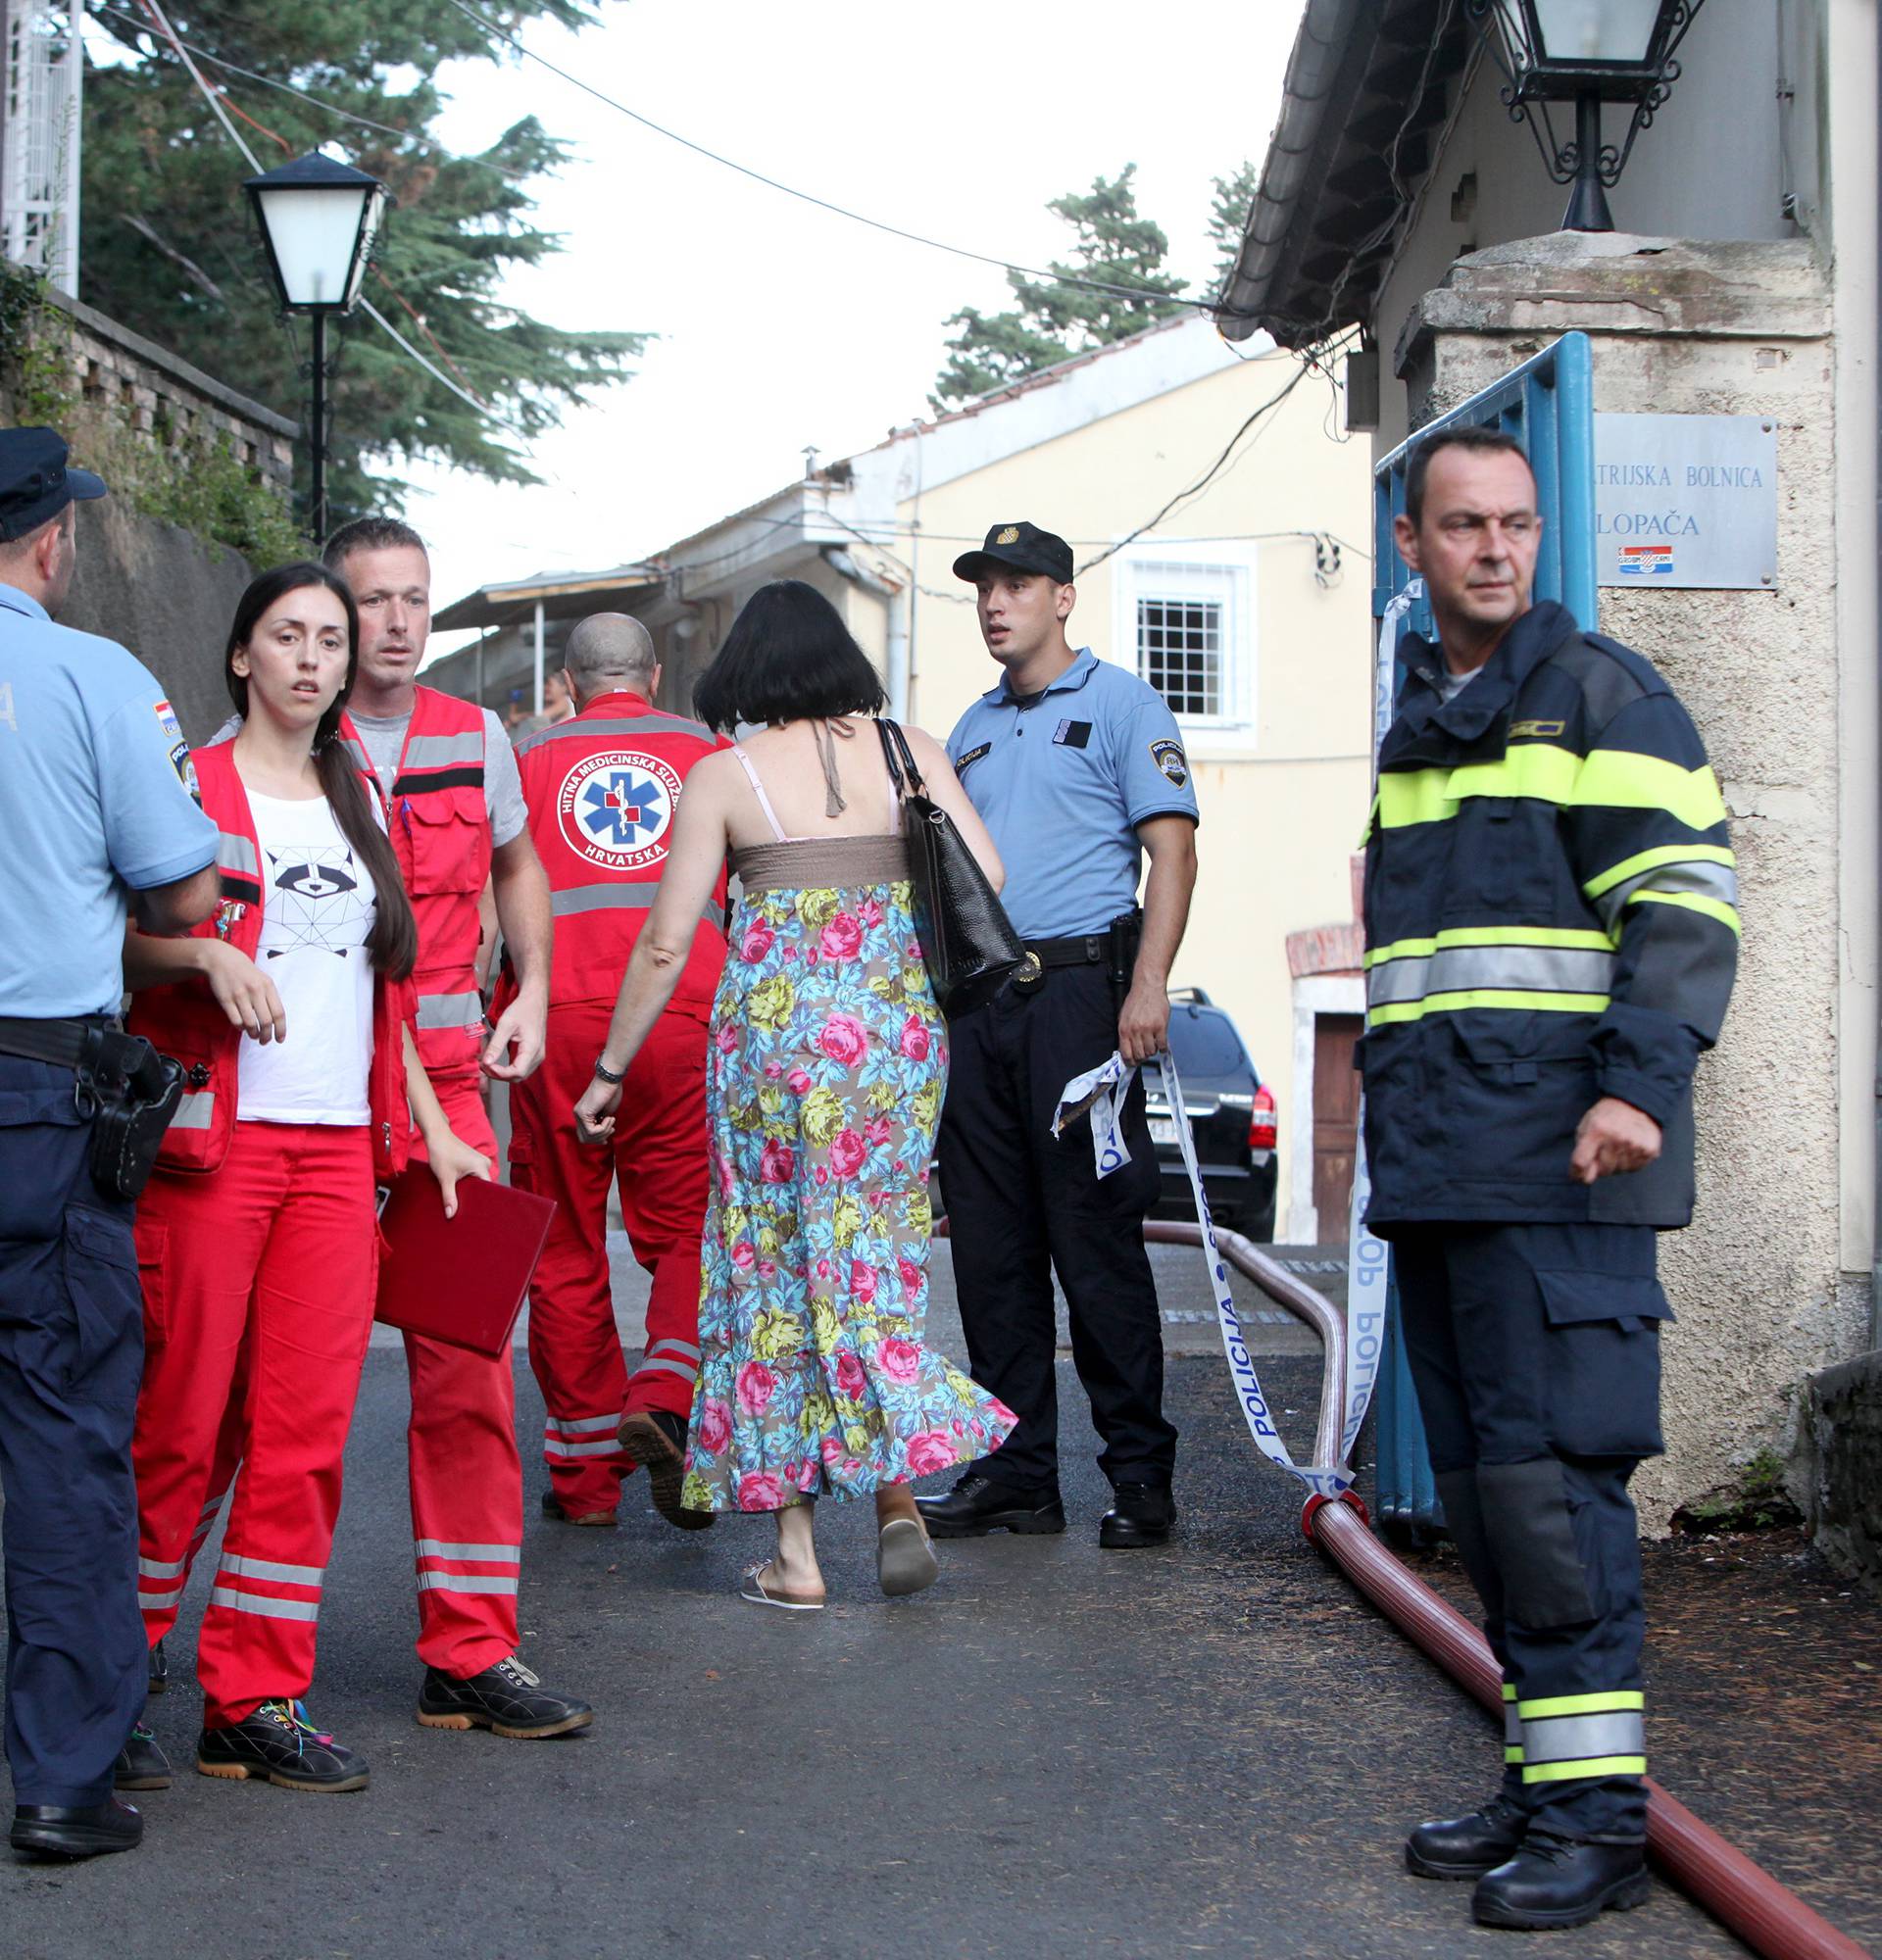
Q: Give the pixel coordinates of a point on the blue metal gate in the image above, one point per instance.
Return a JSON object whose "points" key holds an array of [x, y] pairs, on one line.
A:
{"points": [[1549, 405]]}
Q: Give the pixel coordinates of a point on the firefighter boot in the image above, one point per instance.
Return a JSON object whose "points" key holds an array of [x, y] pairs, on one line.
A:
{"points": [[1553, 1882], [1466, 1847]]}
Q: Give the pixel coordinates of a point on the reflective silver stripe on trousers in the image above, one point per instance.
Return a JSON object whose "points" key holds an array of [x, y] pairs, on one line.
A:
{"points": [[688, 1371], [450, 1010], [1572, 1739], [553, 1445], [570, 1424], [268, 1609], [1700, 880], [195, 1111], [268, 1568], [440, 752], [682, 1347], [1511, 1728], [237, 853], [158, 1568], [488, 1555], [1471, 969], [461, 1582]]}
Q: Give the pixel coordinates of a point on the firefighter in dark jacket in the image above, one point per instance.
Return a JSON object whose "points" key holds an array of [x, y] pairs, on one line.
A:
{"points": [[1551, 935]]}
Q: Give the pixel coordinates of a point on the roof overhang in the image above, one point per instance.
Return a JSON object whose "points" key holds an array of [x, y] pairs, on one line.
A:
{"points": [[1367, 88], [567, 596]]}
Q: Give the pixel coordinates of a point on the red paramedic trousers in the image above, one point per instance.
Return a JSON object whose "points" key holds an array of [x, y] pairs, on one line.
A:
{"points": [[258, 1285], [659, 1160]]}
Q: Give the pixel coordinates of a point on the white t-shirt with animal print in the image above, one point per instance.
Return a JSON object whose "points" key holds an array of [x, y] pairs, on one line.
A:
{"points": [[318, 907]]}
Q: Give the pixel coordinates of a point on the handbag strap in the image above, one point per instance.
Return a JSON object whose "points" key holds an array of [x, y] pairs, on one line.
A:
{"points": [[894, 742]]}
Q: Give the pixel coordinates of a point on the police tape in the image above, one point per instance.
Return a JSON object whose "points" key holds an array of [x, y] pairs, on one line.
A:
{"points": [[1103, 1091]]}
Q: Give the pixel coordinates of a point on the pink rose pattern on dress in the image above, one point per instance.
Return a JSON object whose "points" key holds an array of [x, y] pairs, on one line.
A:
{"points": [[815, 1380]]}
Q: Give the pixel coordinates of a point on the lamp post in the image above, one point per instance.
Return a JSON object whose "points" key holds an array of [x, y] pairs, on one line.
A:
{"points": [[1586, 52], [319, 220]]}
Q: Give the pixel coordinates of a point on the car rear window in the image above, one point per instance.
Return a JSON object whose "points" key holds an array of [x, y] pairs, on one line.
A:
{"points": [[1204, 1042]]}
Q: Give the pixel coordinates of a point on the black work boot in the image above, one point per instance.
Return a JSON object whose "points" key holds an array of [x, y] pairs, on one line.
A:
{"points": [[158, 1670], [1140, 1514], [656, 1438], [141, 1764], [1466, 1847], [507, 1699], [552, 1507], [62, 1830], [279, 1744], [1555, 1881], [977, 1505]]}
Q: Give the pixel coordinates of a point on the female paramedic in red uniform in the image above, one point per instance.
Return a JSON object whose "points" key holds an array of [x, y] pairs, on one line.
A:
{"points": [[258, 1240]]}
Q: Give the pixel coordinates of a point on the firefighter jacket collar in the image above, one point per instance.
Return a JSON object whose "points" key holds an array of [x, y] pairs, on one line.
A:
{"points": [[1532, 639]]}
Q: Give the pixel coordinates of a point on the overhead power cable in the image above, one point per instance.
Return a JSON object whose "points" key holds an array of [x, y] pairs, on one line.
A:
{"points": [[213, 98], [1113, 291]]}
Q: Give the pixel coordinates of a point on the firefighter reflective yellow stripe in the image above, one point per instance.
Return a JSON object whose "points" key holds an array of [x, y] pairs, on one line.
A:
{"points": [[1511, 1726], [1458, 1004], [1413, 796], [194, 1111], [1622, 779], [1675, 873], [1536, 769], [1576, 1737], [450, 1010], [1567, 937], [1692, 902], [1464, 969]]}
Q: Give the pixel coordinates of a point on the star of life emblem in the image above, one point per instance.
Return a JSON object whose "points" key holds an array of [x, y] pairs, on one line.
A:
{"points": [[616, 808]]}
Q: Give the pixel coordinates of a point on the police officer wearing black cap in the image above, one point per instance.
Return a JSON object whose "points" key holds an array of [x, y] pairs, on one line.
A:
{"points": [[96, 808], [1077, 766]]}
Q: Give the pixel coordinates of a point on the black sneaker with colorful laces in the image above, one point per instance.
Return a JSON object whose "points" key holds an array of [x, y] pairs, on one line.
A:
{"points": [[141, 1763], [280, 1744], [507, 1699]]}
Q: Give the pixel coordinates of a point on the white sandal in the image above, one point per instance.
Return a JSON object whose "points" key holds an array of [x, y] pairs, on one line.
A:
{"points": [[754, 1590]]}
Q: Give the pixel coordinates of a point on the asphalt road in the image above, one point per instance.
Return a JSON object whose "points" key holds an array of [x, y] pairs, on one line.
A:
{"points": [[1208, 1748]]}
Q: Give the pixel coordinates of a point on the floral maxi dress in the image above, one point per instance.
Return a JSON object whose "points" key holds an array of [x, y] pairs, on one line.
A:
{"points": [[826, 1070]]}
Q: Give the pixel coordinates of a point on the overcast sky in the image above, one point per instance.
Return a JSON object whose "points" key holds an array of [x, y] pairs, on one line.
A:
{"points": [[781, 325]]}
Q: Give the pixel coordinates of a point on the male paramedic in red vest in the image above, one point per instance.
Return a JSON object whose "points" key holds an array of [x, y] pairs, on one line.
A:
{"points": [[602, 789], [456, 816]]}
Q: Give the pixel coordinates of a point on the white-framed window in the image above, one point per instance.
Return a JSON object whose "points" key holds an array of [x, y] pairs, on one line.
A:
{"points": [[1185, 623]]}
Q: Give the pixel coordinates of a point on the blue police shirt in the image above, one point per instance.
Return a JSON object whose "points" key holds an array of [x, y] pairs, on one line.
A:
{"points": [[95, 802], [1062, 781]]}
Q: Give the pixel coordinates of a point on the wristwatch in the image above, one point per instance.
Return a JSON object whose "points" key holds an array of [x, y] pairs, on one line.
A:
{"points": [[607, 1074]]}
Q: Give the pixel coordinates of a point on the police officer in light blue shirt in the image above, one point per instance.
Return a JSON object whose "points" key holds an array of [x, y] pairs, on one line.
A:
{"points": [[1078, 770], [98, 820]]}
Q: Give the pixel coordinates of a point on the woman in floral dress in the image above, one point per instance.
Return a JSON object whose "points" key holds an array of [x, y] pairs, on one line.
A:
{"points": [[827, 1068]]}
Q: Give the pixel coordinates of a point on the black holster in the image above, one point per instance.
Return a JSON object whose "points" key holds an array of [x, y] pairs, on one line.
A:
{"points": [[1122, 937], [132, 1093]]}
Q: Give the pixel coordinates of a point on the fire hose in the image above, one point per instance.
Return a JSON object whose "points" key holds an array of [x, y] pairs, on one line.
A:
{"points": [[1740, 1895]]}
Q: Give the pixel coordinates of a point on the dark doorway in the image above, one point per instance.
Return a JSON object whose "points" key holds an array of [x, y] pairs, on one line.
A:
{"points": [[1336, 1118]]}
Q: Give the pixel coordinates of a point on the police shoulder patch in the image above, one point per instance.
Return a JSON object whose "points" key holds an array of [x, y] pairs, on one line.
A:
{"points": [[972, 755], [185, 767], [1169, 758]]}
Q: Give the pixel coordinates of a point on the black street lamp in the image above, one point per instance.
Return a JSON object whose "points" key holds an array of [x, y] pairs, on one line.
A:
{"points": [[1586, 52], [319, 220]]}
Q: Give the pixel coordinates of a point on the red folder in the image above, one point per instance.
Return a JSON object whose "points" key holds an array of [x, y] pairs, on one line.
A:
{"points": [[460, 1278]]}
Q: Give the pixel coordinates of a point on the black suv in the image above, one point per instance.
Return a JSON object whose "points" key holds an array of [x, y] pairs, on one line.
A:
{"points": [[1231, 1118]]}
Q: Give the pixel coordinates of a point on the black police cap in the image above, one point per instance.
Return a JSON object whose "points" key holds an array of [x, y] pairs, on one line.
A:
{"points": [[1019, 548], [35, 483]]}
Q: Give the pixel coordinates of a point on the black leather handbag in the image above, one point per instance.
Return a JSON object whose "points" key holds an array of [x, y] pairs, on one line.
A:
{"points": [[967, 938]]}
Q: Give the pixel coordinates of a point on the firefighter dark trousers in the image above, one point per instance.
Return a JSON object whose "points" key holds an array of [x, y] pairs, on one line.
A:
{"points": [[1023, 1204], [71, 1346], [1535, 1350]]}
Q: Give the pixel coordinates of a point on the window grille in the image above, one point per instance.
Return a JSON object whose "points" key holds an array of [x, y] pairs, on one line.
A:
{"points": [[1179, 653], [39, 153]]}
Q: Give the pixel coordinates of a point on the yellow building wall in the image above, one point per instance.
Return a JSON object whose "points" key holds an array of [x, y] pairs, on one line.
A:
{"points": [[1282, 804]]}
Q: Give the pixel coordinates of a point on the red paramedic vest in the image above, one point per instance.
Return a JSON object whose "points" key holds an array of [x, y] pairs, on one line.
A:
{"points": [[440, 830], [183, 1020], [602, 792]]}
